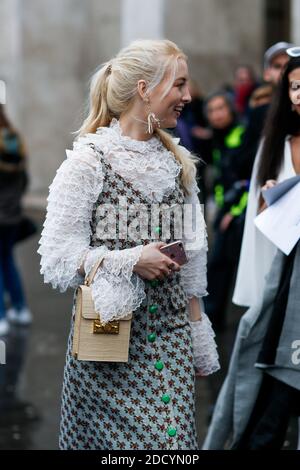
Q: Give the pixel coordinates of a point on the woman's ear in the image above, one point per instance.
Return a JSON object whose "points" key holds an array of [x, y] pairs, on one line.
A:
{"points": [[142, 89]]}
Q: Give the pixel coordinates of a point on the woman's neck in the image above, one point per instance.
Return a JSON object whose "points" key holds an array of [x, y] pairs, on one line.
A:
{"points": [[134, 128]]}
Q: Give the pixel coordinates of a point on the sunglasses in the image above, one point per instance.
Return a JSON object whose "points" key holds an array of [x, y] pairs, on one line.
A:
{"points": [[293, 51]]}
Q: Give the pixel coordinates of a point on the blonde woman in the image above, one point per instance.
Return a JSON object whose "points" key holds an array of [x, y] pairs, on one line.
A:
{"points": [[121, 150]]}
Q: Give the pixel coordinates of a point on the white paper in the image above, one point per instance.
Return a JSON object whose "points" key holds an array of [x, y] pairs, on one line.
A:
{"points": [[273, 194], [280, 222]]}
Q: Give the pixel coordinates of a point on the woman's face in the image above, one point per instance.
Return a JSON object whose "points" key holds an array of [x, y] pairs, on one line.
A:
{"points": [[294, 89], [219, 114], [169, 108]]}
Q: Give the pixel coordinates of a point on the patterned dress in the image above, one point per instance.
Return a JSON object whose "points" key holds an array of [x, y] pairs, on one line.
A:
{"points": [[147, 403]]}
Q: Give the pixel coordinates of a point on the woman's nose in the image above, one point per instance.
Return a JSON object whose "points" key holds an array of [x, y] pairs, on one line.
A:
{"points": [[187, 97]]}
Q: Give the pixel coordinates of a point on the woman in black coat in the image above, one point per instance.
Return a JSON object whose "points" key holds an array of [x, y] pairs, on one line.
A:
{"points": [[13, 182]]}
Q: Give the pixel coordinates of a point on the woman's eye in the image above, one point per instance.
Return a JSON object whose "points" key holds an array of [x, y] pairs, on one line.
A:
{"points": [[295, 85]]}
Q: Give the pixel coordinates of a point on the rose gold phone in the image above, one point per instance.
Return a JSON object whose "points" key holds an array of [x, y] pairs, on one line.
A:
{"points": [[175, 251]]}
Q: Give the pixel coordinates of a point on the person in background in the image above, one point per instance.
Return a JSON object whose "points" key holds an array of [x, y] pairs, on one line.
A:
{"points": [[13, 182], [275, 60], [230, 194], [244, 84], [257, 252], [262, 388], [192, 115]]}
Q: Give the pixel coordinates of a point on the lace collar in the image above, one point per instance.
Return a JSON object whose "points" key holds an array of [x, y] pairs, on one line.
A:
{"points": [[127, 142], [148, 165]]}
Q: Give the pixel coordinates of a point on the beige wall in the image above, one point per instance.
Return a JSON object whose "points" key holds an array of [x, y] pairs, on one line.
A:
{"points": [[216, 35], [63, 42], [48, 59]]}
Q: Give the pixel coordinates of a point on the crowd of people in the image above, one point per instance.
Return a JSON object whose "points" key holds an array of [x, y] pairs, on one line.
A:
{"points": [[225, 132], [254, 143]]}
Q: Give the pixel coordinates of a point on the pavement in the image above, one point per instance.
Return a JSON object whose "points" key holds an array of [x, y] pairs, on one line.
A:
{"points": [[31, 380]]}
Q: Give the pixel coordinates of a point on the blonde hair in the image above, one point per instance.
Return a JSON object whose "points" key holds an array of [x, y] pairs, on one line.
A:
{"points": [[114, 85]]}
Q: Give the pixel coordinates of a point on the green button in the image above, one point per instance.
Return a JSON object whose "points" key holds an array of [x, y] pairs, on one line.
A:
{"points": [[154, 282], [152, 337], [157, 230], [166, 399], [172, 432], [153, 308], [159, 365]]}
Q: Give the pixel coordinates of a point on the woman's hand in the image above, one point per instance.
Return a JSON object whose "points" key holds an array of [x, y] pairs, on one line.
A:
{"points": [[153, 264], [262, 204], [269, 184]]}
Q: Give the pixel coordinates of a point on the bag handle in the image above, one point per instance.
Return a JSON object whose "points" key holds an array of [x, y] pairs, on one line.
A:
{"points": [[89, 278]]}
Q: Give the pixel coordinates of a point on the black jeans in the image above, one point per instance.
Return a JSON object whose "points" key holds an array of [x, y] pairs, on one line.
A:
{"points": [[222, 265], [10, 278]]}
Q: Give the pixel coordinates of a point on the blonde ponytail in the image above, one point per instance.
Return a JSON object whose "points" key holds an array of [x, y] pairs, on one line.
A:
{"points": [[99, 115]]}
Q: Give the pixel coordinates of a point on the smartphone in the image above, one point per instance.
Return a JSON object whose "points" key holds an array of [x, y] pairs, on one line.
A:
{"points": [[175, 251]]}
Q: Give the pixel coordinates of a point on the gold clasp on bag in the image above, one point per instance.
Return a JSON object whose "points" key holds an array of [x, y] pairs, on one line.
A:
{"points": [[111, 328]]}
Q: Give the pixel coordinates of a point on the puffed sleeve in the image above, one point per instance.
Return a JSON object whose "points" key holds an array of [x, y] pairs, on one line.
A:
{"points": [[65, 239], [193, 273]]}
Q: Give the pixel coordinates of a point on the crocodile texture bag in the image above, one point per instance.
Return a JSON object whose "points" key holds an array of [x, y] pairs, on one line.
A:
{"points": [[93, 341]]}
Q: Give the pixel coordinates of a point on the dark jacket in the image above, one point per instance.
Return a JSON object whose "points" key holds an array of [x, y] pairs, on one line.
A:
{"points": [[13, 177]]}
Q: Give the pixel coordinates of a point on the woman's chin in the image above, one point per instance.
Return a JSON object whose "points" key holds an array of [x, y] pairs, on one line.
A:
{"points": [[170, 123]]}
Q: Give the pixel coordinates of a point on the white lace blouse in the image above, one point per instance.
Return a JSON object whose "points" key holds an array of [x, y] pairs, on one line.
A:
{"points": [[65, 239]]}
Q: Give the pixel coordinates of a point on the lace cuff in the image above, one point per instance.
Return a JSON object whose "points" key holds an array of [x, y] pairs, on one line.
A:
{"points": [[92, 256], [116, 289], [206, 358]]}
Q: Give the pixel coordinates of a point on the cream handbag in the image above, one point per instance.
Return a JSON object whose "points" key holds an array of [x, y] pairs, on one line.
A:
{"points": [[93, 341]]}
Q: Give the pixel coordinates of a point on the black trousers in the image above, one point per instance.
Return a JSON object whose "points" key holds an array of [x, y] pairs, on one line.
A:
{"points": [[221, 269], [268, 423]]}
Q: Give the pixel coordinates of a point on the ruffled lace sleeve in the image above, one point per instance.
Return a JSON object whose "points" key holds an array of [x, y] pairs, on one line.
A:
{"points": [[193, 273], [65, 239], [116, 289], [206, 357]]}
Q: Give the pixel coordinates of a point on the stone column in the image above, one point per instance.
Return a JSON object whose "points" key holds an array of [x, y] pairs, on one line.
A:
{"points": [[63, 42], [140, 20], [295, 22], [10, 56]]}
